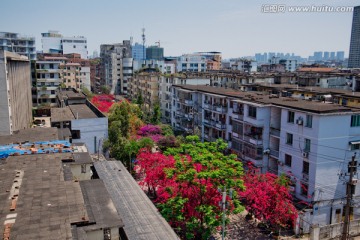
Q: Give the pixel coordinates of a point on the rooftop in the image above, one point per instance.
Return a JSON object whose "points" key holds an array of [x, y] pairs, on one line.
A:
{"points": [[82, 111], [37, 203], [71, 94], [46, 205], [61, 114], [261, 98], [31, 135], [141, 218]]}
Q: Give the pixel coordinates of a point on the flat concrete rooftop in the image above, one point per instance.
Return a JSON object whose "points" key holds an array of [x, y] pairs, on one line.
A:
{"points": [[36, 202], [266, 99], [31, 135], [82, 111]]}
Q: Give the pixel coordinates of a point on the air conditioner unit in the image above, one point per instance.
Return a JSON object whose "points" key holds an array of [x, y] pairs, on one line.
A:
{"points": [[354, 182], [305, 154], [299, 121], [266, 151]]}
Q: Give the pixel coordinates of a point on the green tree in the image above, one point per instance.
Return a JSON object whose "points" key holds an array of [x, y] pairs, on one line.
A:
{"points": [[156, 115], [188, 194], [105, 89], [122, 123], [140, 100]]}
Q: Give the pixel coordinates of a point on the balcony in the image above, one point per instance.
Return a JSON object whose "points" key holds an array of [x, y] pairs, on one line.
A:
{"points": [[253, 139], [273, 171], [188, 102], [274, 153], [238, 116], [188, 115], [274, 132], [180, 114], [219, 125], [220, 109], [207, 106]]}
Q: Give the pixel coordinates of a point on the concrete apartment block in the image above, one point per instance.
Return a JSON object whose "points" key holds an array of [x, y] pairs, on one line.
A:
{"points": [[15, 93]]}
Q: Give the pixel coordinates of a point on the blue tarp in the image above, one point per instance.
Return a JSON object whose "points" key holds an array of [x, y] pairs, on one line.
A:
{"points": [[41, 147]]}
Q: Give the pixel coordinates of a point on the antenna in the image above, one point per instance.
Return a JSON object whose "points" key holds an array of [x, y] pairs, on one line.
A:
{"points": [[143, 39]]}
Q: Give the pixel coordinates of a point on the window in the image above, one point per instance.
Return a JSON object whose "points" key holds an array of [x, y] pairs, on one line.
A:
{"points": [[252, 111], [289, 138], [52, 75], [75, 134], [305, 167], [288, 159], [355, 120], [74, 46], [236, 145], [291, 117], [83, 168], [355, 146], [308, 121], [307, 145]]}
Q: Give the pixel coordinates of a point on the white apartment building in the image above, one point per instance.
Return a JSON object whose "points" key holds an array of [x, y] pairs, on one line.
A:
{"points": [[15, 93], [243, 65], [48, 77], [191, 63], [54, 42], [14, 42], [85, 77], [310, 142]]}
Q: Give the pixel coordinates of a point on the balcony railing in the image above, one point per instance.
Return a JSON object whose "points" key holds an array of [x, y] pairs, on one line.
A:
{"points": [[252, 139], [274, 153], [238, 116], [275, 132], [219, 125], [220, 109], [188, 102], [179, 113]]}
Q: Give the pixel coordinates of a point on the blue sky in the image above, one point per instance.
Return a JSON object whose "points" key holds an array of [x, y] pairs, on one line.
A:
{"points": [[233, 27]]}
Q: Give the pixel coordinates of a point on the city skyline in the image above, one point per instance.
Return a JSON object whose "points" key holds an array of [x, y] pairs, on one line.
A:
{"points": [[233, 28]]}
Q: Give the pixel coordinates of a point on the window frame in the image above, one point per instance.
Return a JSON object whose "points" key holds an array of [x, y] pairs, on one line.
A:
{"points": [[291, 117], [287, 139]]}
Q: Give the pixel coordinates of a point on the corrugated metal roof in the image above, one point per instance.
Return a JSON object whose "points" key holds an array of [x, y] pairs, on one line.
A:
{"points": [[141, 218]]}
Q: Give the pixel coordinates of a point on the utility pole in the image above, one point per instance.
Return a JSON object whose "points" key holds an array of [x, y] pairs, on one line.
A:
{"points": [[352, 167], [223, 204]]}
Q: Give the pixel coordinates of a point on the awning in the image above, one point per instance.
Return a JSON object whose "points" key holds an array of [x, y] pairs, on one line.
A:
{"points": [[354, 142]]}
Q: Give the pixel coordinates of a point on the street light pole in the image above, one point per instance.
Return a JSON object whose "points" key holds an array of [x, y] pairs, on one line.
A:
{"points": [[223, 205]]}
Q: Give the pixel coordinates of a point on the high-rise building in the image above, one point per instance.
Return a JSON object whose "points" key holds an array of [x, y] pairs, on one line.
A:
{"points": [[138, 52], [15, 93], [326, 56], [14, 42], [54, 42], [155, 52], [318, 56], [340, 55], [117, 65], [354, 53], [332, 56]]}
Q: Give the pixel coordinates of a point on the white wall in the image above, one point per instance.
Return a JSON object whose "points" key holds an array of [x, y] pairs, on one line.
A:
{"points": [[89, 129], [50, 43]]}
